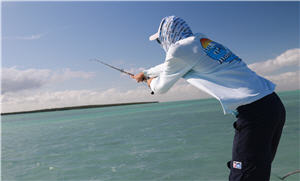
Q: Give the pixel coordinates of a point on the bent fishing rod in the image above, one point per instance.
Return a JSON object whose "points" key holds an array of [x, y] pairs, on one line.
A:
{"points": [[120, 70]]}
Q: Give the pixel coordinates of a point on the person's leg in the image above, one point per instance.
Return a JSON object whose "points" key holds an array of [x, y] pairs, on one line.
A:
{"points": [[257, 133], [251, 152], [276, 140], [278, 131]]}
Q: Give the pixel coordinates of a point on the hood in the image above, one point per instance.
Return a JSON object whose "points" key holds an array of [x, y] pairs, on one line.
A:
{"points": [[171, 30]]}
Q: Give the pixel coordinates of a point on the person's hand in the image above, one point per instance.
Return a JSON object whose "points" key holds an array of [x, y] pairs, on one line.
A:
{"points": [[149, 81], [140, 77]]}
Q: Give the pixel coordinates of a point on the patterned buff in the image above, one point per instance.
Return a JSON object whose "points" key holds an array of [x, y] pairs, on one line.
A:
{"points": [[171, 30]]}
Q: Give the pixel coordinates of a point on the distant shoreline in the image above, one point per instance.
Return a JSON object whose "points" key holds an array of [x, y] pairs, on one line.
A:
{"points": [[76, 107]]}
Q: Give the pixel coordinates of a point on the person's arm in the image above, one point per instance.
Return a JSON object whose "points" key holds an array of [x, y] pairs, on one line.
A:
{"points": [[172, 71], [150, 73], [154, 71]]}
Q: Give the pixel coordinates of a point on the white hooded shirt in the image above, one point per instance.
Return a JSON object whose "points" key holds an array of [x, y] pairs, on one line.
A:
{"points": [[212, 68]]}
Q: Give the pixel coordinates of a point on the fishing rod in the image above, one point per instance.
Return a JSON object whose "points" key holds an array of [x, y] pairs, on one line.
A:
{"points": [[120, 70]]}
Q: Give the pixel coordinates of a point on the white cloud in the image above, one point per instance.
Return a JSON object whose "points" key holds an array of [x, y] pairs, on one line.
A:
{"points": [[14, 80], [26, 37], [67, 73], [286, 80], [287, 59]]}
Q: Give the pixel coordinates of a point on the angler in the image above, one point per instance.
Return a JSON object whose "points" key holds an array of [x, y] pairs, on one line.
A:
{"points": [[251, 98]]}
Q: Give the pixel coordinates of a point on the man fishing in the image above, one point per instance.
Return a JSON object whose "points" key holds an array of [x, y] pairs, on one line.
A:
{"points": [[214, 69]]}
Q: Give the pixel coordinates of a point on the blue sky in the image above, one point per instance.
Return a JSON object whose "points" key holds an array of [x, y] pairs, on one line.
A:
{"points": [[62, 36]]}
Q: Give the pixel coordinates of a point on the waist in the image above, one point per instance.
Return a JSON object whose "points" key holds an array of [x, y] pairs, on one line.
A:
{"points": [[259, 104]]}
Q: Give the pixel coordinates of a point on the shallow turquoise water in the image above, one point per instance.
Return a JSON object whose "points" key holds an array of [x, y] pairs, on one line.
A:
{"points": [[186, 140]]}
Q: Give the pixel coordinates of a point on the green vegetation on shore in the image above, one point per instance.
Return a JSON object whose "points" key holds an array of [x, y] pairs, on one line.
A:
{"points": [[76, 107]]}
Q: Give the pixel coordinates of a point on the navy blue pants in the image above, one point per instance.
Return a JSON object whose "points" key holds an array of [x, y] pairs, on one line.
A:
{"points": [[257, 134]]}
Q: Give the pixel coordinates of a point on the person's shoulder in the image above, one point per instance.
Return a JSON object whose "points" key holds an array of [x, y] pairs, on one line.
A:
{"points": [[185, 47], [180, 48]]}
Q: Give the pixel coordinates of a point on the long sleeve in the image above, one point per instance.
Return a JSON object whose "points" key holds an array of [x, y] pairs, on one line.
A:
{"points": [[154, 71], [172, 70]]}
